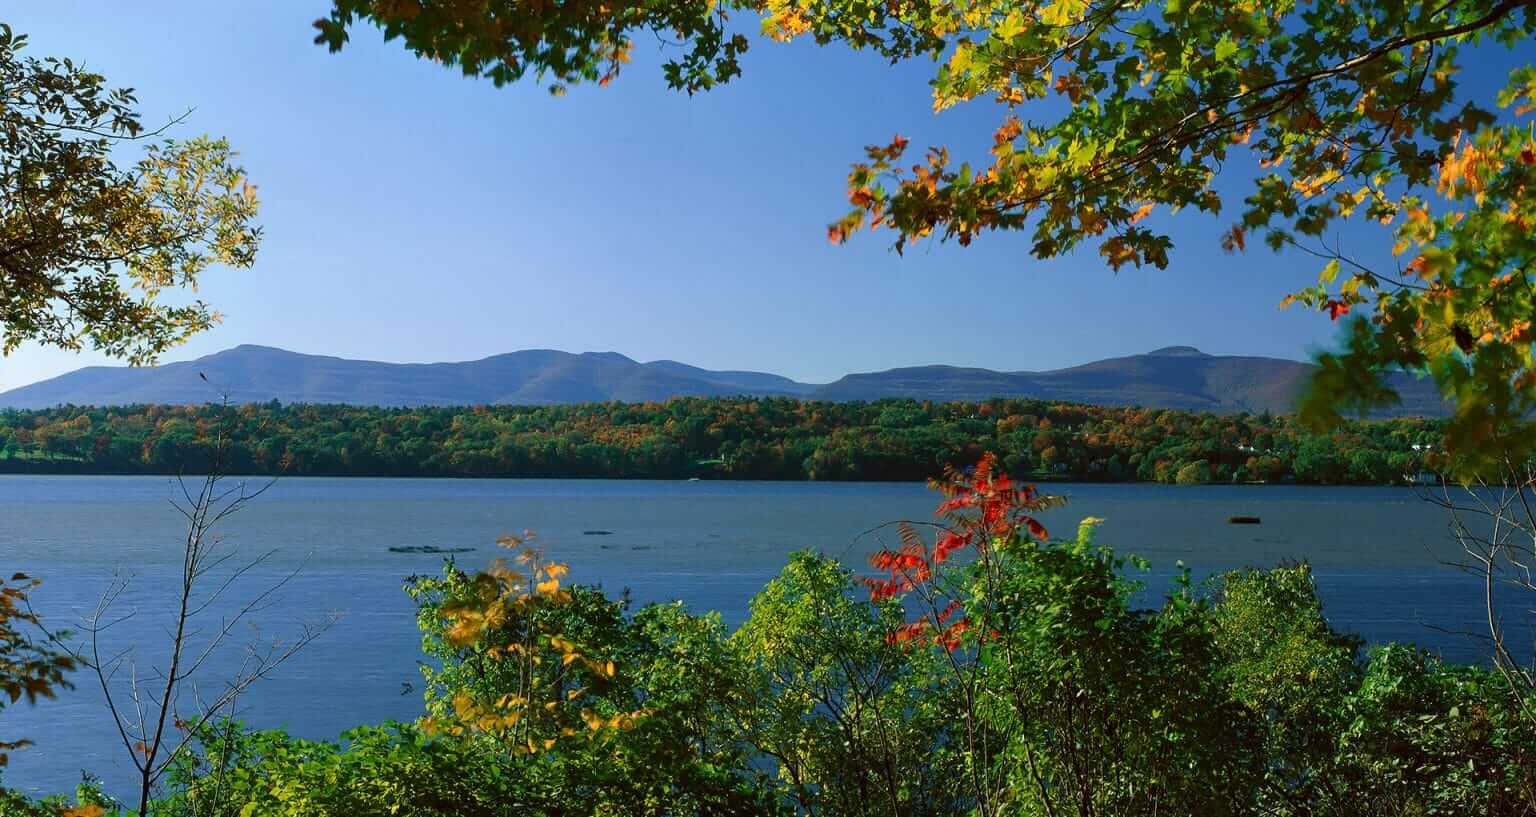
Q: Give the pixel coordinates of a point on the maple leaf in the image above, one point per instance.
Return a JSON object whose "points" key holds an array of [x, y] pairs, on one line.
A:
{"points": [[1234, 240]]}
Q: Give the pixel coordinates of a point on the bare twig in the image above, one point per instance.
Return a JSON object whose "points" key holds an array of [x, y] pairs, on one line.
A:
{"points": [[1495, 525], [151, 723]]}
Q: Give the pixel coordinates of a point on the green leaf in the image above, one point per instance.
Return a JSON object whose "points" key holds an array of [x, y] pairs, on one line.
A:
{"points": [[1225, 48]]}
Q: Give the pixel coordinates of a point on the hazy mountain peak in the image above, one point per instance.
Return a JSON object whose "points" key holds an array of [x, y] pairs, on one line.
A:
{"points": [[252, 349], [613, 357], [1177, 351]]}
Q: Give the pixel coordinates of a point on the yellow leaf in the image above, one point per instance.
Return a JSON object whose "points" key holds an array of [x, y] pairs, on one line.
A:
{"points": [[1330, 272], [1063, 12]]}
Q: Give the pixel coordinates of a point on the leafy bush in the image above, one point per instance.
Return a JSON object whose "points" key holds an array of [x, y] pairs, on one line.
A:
{"points": [[393, 769]]}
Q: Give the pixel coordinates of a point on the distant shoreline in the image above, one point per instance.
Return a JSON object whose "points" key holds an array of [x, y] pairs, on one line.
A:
{"points": [[742, 438], [1027, 480]]}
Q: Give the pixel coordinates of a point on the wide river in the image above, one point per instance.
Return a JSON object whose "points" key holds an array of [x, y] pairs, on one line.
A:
{"points": [[1376, 553]]}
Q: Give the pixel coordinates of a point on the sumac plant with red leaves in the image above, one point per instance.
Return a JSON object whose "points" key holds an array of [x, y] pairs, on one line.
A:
{"points": [[981, 511], [1068, 697]]}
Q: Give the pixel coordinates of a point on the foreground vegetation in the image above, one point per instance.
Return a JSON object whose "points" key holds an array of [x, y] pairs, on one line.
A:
{"points": [[985, 670], [738, 438]]}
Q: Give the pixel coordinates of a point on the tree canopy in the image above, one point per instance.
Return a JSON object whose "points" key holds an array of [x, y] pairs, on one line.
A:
{"points": [[1111, 110], [88, 245], [729, 437]]}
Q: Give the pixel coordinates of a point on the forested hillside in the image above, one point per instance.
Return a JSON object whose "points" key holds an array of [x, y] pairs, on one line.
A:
{"points": [[733, 438]]}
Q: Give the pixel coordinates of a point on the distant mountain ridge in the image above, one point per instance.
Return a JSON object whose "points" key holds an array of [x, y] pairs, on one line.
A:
{"points": [[1176, 377]]}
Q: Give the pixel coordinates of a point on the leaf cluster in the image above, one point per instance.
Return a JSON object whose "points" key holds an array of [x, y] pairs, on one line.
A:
{"points": [[87, 244], [33, 664]]}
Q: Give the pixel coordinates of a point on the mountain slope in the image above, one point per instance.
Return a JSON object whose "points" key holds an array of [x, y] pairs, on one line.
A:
{"points": [[259, 373], [1177, 377], [751, 382]]}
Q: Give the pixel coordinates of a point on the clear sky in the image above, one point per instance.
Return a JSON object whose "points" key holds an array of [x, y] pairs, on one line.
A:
{"points": [[415, 215]]}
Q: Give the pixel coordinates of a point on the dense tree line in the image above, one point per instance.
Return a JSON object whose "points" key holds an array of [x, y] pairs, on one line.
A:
{"points": [[737, 438]]}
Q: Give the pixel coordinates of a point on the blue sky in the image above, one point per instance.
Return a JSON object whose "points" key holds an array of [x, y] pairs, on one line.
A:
{"points": [[414, 215]]}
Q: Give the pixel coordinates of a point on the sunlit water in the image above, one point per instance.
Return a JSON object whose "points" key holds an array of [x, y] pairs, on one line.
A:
{"points": [[1376, 552]]}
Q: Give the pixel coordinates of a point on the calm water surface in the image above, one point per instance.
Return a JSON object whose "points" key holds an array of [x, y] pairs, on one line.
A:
{"points": [[711, 544]]}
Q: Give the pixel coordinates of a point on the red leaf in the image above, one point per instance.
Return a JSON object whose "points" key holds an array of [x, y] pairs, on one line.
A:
{"points": [[949, 610]]}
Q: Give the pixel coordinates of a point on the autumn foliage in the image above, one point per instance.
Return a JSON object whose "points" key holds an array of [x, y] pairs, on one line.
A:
{"points": [[734, 438], [31, 664], [981, 510], [500, 616], [91, 241]]}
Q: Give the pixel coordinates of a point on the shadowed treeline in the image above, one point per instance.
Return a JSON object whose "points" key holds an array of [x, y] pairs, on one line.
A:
{"points": [[733, 438]]}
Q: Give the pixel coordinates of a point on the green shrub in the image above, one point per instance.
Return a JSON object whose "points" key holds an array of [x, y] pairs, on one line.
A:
{"points": [[391, 770]]}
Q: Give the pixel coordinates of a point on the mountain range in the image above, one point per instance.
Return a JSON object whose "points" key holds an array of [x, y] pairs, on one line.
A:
{"points": [[1177, 377]]}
